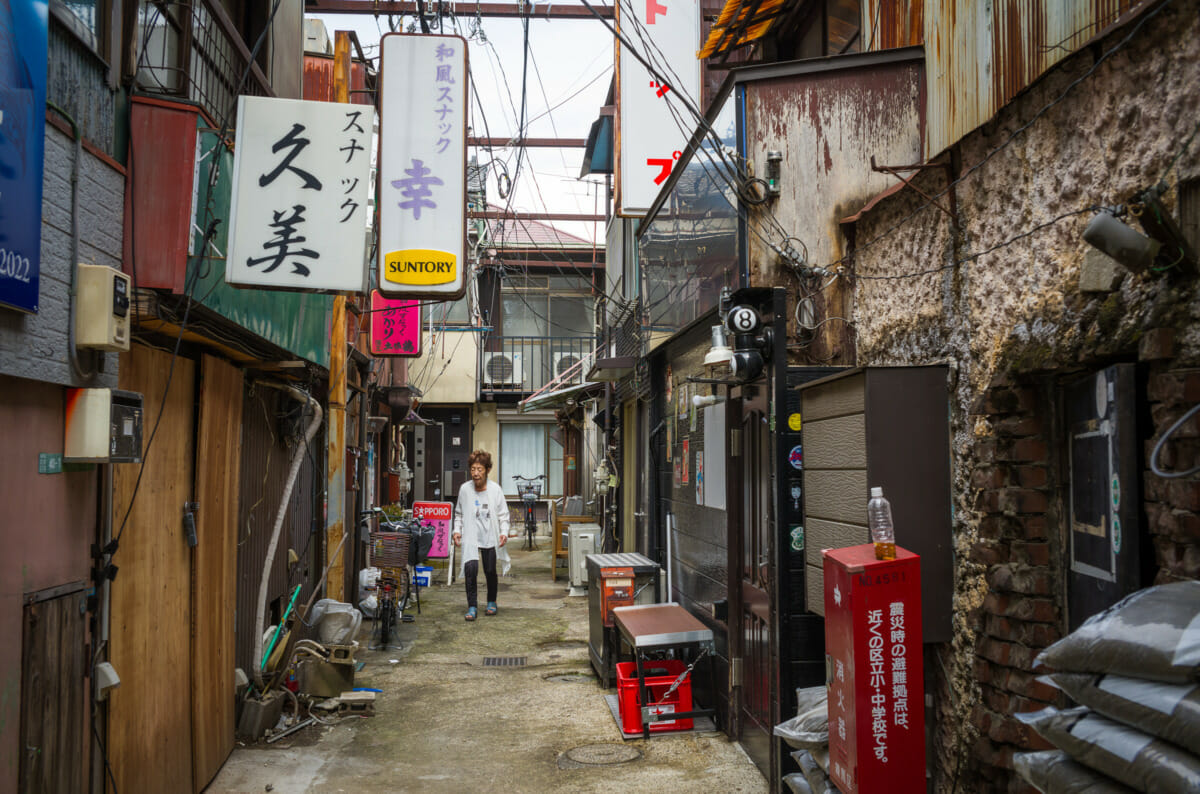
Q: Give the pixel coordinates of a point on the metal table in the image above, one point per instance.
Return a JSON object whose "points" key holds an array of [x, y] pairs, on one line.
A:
{"points": [[656, 627]]}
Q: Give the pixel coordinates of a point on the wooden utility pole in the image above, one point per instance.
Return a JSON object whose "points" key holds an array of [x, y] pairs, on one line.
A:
{"points": [[335, 477]]}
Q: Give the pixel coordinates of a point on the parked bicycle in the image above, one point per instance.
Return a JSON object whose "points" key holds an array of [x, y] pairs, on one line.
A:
{"points": [[530, 489]]}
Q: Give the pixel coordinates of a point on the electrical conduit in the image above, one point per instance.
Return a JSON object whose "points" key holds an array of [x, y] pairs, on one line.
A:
{"points": [[297, 459]]}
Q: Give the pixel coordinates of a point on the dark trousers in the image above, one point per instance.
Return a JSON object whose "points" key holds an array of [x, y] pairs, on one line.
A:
{"points": [[471, 573]]}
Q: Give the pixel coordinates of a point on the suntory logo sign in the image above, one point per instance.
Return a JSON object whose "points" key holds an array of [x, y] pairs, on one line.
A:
{"points": [[422, 166], [420, 267]]}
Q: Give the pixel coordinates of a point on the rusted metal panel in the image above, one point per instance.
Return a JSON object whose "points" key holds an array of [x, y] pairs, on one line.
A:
{"points": [[272, 424], [318, 80], [158, 192], [887, 25], [984, 54], [828, 123]]}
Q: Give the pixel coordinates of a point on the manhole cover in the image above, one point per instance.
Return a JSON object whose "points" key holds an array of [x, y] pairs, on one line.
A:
{"points": [[603, 754], [504, 661]]}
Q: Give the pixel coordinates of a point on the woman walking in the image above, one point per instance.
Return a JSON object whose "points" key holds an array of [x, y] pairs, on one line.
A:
{"points": [[481, 529]]}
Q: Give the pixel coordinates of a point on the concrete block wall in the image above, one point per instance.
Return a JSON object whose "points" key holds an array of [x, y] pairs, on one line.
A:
{"points": [[34, 346]]}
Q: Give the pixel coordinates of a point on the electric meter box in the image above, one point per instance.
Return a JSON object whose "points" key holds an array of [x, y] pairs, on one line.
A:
{"points": [[102, 308], [103, 426]]}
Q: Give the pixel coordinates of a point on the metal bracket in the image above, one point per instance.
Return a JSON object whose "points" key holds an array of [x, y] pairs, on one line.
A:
{"points": [[894, 170]]}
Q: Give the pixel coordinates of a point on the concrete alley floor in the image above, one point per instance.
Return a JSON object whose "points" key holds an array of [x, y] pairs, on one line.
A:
{"points": [[446, 723]]}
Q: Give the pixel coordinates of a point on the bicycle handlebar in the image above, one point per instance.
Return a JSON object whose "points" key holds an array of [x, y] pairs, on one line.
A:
{"points": [[523, 477]]}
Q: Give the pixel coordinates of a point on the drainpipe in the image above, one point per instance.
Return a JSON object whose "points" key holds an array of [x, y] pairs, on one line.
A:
{"points": [[297, 459]]}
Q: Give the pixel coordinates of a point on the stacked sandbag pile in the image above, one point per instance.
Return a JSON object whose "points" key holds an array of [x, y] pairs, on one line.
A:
{"points": [[1133, 670], [808, 735]]}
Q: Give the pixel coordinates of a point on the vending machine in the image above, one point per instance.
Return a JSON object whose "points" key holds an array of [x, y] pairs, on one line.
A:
{"points": [[875, 671]]}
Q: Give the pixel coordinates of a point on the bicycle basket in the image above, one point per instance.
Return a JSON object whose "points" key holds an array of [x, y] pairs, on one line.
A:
{"points": [[422, 540], [530, 491], [390, 549]]}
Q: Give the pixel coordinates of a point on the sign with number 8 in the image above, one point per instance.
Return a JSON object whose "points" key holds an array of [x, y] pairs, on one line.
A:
{"points": [[742, 320]]}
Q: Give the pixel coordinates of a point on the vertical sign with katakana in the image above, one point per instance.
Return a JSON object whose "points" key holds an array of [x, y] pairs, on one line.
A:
{"points": [[395, 326], [654, 121], [299, 217], [422, 166]]}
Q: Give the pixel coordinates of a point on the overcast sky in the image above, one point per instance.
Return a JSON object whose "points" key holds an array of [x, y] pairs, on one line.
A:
{"points": [[568, 75]]}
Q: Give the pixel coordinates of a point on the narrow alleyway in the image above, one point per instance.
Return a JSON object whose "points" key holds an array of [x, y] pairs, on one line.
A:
{"points": [[445, 722]]}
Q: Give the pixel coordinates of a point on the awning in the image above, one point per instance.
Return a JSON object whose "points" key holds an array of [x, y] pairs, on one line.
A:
{"points": [[741, 22], [551, 399]]}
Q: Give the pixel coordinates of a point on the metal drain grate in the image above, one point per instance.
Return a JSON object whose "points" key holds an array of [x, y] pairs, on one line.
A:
{"points": [[504, 661]]}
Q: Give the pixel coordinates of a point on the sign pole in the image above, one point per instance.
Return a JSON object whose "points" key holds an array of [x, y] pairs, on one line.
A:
{"points": [[335, 521]]}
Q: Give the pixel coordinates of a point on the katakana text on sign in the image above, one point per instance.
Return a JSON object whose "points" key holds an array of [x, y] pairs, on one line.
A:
{"points": [[298, 218]]}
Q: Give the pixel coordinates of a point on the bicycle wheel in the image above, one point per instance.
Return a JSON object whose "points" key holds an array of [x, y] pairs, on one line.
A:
{"points": [[385, 620]]}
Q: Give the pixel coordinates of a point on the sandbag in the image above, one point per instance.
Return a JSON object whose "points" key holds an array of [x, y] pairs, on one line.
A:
{"points": [[1136, 759], [336, 622], [809, 729], [1053, 772], [797, 784], [1168, 711], [818, 781], [1153, 633]]}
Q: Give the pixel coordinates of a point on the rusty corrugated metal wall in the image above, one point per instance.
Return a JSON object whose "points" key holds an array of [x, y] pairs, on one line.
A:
{"points": [[272, 424], [318, 80], [980, 55]]}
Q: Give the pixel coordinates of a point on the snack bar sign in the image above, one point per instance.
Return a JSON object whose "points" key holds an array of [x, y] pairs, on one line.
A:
{"points": [[299, 215], [422, 166]]}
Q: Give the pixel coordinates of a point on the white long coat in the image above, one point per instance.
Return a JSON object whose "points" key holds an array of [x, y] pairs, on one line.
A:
{"points": [[498, 509]]}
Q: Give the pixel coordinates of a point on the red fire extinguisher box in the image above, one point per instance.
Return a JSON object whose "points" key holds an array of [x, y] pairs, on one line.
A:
{"points": [[875, 671]]}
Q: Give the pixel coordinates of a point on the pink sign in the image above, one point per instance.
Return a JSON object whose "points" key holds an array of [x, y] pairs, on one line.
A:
{"points": [[395, 326], [439, 514]]}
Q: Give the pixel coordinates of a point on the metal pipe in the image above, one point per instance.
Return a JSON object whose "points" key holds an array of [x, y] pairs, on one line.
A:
{"points": [[297, 459]]}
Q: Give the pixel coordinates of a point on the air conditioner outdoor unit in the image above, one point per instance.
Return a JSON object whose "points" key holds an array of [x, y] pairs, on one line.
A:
{"points": [[502, 369], [582, 540], [564, 362]]}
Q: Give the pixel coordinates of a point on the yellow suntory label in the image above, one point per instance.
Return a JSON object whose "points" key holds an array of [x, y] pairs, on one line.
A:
{"points": [[420, 267]]}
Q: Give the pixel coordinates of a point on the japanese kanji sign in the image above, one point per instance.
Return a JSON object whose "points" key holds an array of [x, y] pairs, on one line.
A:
{"points": [[422, 166], [301, 173], [395, 326], [654, 122]]}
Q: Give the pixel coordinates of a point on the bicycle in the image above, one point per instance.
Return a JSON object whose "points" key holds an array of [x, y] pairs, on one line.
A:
{"points": [[530, 488], [390, 552]]}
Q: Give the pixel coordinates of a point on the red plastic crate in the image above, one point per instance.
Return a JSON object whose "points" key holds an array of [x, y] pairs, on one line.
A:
{"points": [[628, 694]]}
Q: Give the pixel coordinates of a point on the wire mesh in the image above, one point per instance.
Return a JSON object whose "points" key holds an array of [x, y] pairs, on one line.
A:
{"points": [[389, 551]]}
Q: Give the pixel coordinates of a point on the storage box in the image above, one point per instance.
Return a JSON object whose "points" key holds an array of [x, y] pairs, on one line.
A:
{"points": [[423, 575], [660, 674]]}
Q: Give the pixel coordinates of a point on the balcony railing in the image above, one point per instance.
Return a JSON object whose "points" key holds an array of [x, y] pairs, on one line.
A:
{"points": [[525, 364], [193, 51]]}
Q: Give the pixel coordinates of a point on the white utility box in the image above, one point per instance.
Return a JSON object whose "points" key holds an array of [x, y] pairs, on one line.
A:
{"points": [[102, 308], [582, 540], [103, 426]]}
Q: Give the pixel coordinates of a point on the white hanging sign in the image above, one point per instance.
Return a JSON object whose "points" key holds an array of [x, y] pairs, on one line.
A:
{"points": [[654, 122], [301, 177], [422, 166]]}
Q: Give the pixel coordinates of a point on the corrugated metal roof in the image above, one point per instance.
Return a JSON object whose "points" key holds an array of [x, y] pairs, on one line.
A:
{"points": [[981, 55]]}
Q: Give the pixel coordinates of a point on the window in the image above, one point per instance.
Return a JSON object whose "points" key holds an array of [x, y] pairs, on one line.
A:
{"points": [[528, 449], [448, 312], [559, 305]]}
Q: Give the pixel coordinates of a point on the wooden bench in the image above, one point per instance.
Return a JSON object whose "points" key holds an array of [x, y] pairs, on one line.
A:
{"points": [[560, 539]]}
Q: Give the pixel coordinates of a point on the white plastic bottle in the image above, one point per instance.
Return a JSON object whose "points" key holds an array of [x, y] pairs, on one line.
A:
{"points": [[879, 518]]}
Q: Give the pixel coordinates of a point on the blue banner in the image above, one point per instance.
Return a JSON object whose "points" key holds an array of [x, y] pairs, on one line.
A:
{"points": [[23, 25]]}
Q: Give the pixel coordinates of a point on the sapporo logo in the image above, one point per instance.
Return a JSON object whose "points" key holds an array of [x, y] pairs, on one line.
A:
{"points": [[420, 267]]}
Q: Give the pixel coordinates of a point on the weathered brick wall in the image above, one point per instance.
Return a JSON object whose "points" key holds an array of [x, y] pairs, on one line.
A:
{"points": [[34, 346], [1019, 548]]}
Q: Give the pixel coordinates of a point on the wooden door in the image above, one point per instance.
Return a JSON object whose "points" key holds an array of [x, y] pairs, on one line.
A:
{"points": [[150, 714], [218, 472], [53, 686], [752, 553]]}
